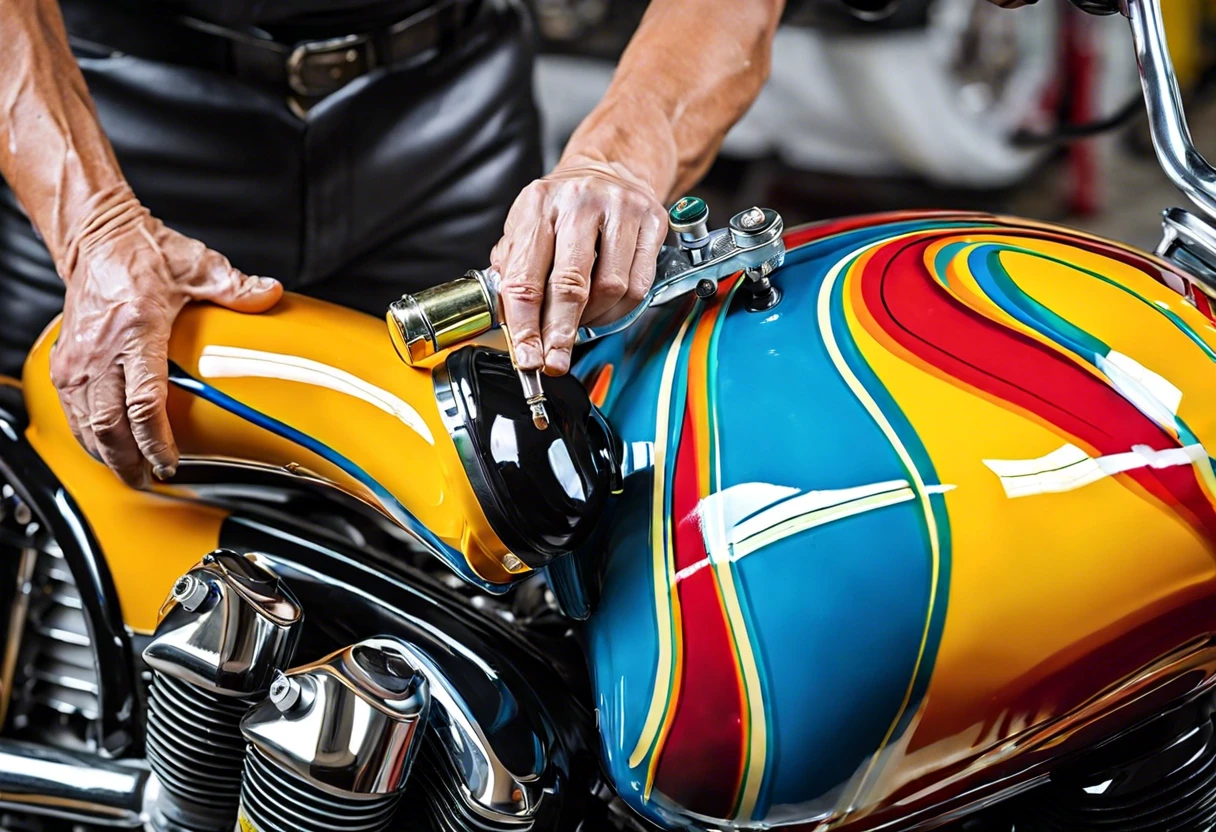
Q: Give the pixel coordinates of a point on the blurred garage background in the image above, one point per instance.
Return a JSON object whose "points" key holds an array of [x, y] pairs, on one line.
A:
{"points": [[945, 104]]}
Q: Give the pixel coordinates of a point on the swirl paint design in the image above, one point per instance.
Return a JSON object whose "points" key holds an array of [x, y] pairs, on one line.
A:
{"points": [[389, 504], [799, 587]]}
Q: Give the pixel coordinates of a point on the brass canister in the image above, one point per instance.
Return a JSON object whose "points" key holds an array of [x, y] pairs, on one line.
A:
{"points": [[426, 322]]}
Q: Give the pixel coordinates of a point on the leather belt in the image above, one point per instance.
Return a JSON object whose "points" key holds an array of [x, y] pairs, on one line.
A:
{"points": [[307, 70]]}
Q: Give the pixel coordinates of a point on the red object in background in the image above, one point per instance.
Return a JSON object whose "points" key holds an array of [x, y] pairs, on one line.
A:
{"points": [[1081, 67]]}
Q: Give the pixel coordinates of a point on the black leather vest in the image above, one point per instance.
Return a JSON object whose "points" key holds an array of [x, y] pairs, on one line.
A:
{"points": [[353, 14]]}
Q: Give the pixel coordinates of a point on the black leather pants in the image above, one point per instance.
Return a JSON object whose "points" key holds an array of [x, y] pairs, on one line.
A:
{"points": [[397, 181]]}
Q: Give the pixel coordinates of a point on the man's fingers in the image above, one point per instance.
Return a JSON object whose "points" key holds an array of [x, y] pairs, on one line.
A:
{"points": [[610, 277], [569, 286], [652, 231], [522, 288], [147, 387], [107, 403]]}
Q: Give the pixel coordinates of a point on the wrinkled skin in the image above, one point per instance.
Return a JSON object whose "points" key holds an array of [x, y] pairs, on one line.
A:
{"points": [[127, 276], [131, 278], [580, 244]]}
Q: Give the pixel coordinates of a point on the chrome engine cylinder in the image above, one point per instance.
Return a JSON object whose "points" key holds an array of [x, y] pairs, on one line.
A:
{"points": [[330, 750], [228, 626]]}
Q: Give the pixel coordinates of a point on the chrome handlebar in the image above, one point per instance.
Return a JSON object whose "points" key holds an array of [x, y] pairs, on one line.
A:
{"points": [[1176, 152]]}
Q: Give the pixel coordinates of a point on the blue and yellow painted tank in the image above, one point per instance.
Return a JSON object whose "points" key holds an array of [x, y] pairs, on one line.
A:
{"points": [[912, 533], [887, 550]]}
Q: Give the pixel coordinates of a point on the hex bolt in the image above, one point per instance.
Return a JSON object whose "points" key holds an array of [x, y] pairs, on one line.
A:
{"points": [[706, 289], [284, 692], [190, 592], [512, 563]]}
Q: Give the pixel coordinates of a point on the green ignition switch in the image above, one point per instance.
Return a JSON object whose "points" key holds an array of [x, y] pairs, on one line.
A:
{"points": [[687, 212]]}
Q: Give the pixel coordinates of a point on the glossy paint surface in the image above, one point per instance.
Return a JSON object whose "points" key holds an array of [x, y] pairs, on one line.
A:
{"points": [[308, 387], [943, 509]]}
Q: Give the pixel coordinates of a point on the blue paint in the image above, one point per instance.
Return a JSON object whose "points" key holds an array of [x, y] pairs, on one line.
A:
{"points": [[403, 516], [829, 701]]}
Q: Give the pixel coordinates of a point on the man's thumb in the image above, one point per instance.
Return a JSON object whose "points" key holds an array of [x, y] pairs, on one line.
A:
{"points": [[238, 291]]}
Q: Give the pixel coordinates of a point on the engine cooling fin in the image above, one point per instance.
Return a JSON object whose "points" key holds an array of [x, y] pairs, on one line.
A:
{"points": [[1160, 777], [275, 800], [331, 748], [195, 748], [228, 625], [434, 787]]}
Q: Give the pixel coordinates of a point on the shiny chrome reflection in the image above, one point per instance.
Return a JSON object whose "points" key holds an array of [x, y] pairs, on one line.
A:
{"points": [[228, 626], [483, 758], [455, 419], [1189, 243], [74, 786], [1176, 152], [348, 723], [484, 786]]}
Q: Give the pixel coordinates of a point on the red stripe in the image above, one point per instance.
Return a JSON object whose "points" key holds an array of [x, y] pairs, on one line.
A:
{"points": [[1153, 267], [1202, 303], [806, 233], [702, 759], [921, 315]]}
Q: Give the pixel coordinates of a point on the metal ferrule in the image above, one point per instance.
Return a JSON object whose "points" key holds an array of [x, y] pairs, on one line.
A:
{"points": [[695, 238], [427, 322], [350, 723], [228, 626]]}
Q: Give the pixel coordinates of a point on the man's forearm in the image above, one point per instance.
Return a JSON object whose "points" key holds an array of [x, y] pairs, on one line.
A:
{"points": [[53, 153], [690, 72]]}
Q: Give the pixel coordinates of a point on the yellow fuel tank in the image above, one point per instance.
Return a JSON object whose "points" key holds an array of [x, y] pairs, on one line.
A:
{"points": [[307, 388]]}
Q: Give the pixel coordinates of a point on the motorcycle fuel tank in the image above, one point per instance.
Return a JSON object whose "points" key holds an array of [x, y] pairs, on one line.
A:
{"points": [[308, 389], [893, 546]]}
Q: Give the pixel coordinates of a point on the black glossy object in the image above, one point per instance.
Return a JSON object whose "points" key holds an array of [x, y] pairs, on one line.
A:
{"points": [[1159, 776], [545, 489], [118, 723], [517, 691]]}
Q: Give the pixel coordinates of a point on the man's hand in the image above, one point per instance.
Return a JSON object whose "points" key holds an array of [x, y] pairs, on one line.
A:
{"points": [[581, 243], [579, 246], [128, 276]]}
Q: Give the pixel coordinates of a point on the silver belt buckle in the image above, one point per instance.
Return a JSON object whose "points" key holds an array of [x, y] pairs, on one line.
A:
{"points": [[317, 68]]}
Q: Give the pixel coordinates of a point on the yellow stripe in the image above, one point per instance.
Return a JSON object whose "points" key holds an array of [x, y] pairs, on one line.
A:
{"points": [[663, 568], [965, 288], [698, 396], [863, 396]]}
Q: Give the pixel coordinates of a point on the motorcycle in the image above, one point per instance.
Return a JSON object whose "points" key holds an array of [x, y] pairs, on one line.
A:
{"points": [[891, 522], [958, 93]]}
